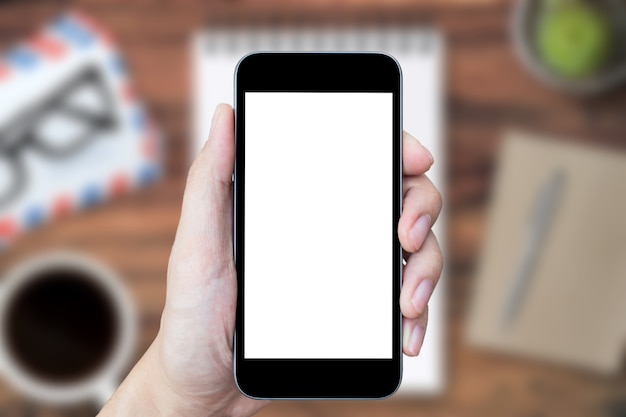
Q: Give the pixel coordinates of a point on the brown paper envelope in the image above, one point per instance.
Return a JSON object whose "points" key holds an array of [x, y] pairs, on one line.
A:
{"points": [[573, 309]]}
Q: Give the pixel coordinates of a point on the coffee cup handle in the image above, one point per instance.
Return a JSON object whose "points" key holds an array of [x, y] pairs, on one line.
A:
{"points": [[104, 392]]}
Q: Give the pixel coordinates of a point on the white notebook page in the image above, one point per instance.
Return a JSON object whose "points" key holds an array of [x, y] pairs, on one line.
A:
{"points": [[420, 53]]}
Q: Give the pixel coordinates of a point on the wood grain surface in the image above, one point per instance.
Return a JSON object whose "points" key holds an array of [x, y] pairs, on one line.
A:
{"points": [[488, 91]]}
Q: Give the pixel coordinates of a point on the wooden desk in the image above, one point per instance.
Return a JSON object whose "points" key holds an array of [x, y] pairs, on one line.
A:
{"points": [[488, 91]]}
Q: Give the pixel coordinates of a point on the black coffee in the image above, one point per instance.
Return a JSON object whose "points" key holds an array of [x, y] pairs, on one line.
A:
{"points": [[61, 326]]}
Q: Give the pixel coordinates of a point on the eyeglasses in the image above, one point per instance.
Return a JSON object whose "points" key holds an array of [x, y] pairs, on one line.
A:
{"points": [[57, 127]]}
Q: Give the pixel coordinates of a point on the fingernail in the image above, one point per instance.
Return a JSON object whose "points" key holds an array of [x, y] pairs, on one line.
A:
{"points": [[419, 230], [216, 114], [432, 160], [406, 335], [421, 295], [415, 339]]}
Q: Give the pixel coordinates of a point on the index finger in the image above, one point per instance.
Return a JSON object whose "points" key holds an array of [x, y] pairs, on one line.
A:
{"points": [[416, 159]]}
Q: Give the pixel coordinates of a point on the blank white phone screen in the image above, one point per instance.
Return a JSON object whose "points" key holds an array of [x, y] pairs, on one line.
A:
{"points": [[318, 225]]}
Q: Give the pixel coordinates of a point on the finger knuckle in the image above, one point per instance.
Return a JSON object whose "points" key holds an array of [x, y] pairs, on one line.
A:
{"points": [[196, 173], [438, 200], [437, 263]]}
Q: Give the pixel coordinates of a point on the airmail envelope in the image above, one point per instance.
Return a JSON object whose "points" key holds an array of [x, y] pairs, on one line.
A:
{"points": [[72, 133]]}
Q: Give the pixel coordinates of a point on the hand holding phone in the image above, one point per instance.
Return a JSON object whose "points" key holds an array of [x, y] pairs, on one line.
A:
{"points": [[188, 367]]}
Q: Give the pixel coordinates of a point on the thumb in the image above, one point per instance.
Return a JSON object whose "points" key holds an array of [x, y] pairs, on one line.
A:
{"points": [[203, 245]]}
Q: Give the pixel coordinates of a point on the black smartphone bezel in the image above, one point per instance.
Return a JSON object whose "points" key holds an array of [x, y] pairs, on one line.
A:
{"points": [[317, 378]]}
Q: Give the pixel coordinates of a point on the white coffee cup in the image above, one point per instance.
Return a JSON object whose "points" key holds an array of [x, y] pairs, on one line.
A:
{"points": [[99, 383]]}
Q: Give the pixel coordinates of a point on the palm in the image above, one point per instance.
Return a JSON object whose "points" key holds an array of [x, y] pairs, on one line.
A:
{"points": [[196, 336]]}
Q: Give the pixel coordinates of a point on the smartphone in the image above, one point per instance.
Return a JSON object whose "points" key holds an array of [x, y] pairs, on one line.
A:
{"points": [[318, 189]]}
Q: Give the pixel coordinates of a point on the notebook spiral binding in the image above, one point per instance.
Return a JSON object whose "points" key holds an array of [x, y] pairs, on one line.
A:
{"points": [[231, 40]]}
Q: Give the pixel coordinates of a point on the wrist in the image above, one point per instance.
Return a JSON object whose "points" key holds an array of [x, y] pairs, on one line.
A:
{"points": [[148, 391], [145, 392]]}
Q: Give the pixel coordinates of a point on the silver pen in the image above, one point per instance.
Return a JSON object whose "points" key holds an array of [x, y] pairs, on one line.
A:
{"points": [[539, 224]]}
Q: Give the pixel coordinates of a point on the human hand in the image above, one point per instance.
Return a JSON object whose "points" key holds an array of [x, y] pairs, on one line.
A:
{"points": [[188, 369], [421, 204]]}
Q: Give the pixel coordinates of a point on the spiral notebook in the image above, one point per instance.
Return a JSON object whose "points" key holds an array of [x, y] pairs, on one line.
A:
{"points": [[215, 53]]}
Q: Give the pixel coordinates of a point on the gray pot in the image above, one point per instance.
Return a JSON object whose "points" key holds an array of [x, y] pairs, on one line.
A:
{"points": [[523, 21]]}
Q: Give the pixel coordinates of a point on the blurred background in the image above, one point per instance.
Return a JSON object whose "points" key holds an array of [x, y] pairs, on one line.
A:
{"points": [[534, 132]]}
